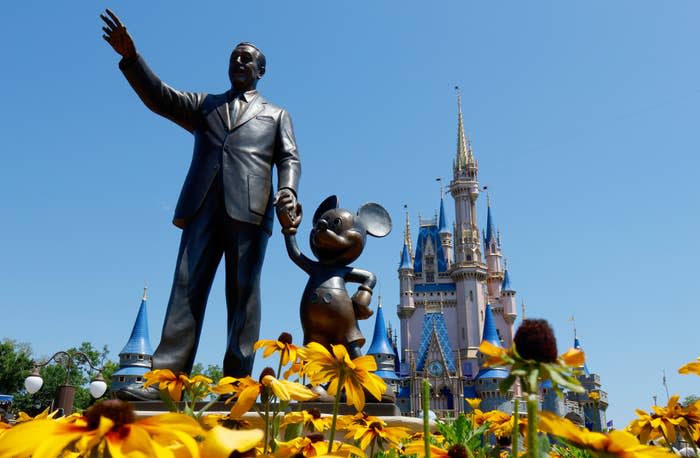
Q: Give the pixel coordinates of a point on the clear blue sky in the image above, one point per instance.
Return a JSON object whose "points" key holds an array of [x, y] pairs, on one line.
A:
{"points": [[583, 116]]}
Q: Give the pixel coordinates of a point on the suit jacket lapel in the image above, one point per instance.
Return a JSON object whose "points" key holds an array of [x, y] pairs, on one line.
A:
{"points": [[224, 114], [253, 108]]}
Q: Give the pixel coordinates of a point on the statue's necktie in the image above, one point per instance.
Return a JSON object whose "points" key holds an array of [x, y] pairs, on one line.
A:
{"points": [[236, 110]]}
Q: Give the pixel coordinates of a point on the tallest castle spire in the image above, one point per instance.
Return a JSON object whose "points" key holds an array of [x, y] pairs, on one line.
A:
{"points": [[464, 161]]}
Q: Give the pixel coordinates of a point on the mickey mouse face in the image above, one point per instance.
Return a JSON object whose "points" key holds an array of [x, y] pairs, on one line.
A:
{"points": [[338, 236]]}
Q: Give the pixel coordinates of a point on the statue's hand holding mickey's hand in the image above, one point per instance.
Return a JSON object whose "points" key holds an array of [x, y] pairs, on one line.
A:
{"points": [[288, 211], [117, 36], [360, 302]]}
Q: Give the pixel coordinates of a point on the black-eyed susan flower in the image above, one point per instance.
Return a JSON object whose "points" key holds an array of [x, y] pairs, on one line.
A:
{"points": [[310, 419], [615, 444], [377, 435], [283, 345], [167, 380], [107, 427], [283, 390], [315, 445], [343, 373], [665, 421]]}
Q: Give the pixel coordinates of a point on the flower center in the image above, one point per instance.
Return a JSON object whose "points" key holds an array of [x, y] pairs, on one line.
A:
{"points": [[285, 338], [315, 413], [315, 437], [535, 340], [265, 372], [120, 412]]}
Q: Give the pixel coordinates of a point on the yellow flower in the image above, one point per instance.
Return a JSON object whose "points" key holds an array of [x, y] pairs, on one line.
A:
{"points": [[691, 368], [209, 421], [284, 390], [166, 379], [498, 356], [45, 414], [310, 418], [473, 402], [664, 421], [232, 386], [287, 350], [108, 426], [221, 442], [378, 433], [594, 396], [500, 423], [322, 366], [616, 443], [574, 357], [314, 445], [360, 418]]}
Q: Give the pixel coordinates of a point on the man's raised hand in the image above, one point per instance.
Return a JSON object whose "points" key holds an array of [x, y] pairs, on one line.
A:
{"points": [[117, 36]]}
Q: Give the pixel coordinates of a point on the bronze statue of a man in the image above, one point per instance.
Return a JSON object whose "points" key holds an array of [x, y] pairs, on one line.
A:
{"points": [[226, 203]]}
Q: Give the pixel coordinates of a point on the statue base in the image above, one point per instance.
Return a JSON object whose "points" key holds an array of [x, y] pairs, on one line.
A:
{"points": [[376, 409]]}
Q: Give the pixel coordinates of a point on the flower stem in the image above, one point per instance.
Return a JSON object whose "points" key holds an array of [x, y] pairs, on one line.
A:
{"points": [[267, 424], [336, 405], [515, 435], [532, 425], [426, 418]]}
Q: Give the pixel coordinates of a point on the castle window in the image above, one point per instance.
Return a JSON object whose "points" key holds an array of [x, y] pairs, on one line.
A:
{"points": [[121, 378], [140, 357], [430, 277], [138, 379], [471, 295], [469, 257]]}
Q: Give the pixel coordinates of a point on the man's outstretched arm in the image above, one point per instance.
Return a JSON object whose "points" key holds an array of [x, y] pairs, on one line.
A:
{"points": [[178, 106]]}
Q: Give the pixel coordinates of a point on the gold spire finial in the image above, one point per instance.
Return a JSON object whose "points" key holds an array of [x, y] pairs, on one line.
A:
{"points": [[462, 145], [145, 293], [407, 233]]}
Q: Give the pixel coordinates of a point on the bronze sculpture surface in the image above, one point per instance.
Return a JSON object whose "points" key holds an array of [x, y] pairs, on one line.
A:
{"points": [[328, 313], [225, 208]]}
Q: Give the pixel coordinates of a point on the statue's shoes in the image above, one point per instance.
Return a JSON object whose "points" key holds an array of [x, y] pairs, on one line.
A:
{"points": [[138, 393]]}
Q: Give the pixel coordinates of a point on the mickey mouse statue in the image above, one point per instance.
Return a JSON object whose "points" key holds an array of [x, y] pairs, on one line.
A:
{"points": [[328, 314]]}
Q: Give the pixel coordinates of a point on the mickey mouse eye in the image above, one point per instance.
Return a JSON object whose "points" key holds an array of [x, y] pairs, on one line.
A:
{"points": [[337, 222]]}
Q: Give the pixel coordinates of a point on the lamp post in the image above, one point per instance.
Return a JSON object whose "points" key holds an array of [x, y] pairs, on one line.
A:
{"points": [[66, 392]]}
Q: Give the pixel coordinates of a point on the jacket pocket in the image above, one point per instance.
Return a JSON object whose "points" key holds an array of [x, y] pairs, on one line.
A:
{"points": [[258, 193]]}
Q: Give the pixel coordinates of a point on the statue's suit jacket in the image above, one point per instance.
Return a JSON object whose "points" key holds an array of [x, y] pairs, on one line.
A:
{"points": [[244, 150]]}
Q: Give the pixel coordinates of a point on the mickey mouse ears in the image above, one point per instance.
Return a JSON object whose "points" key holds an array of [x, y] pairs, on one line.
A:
{"points": [[375, 219]]}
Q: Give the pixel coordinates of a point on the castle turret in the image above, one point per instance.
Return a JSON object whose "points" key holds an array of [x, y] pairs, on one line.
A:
{"points": [[406, 307], [381, 348], [594, 401], [445, 234], [489, 378], [468, 270], [135, 357], [494, 258]]}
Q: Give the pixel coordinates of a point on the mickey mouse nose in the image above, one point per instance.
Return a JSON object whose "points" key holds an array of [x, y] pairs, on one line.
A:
{"points": [[322, 224]]}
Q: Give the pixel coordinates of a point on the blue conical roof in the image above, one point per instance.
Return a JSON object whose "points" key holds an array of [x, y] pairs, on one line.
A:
{"points": [[441, 222], [505, 285], [405, 259], [577, 345], [380, 341], [139, 342], [490, 332], [491, 335], [490, 230]]}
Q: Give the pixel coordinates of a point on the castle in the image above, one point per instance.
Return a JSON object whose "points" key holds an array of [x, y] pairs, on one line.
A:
{"points": [[455, 292]]}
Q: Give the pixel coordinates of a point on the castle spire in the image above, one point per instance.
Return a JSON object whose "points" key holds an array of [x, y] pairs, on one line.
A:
{"points": [[381, 348], [407, 234], [463, 151]]}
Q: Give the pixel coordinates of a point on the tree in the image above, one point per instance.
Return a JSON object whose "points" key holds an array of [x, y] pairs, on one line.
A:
{"points": [[213, 371], [690, 399], [15, 365]]}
